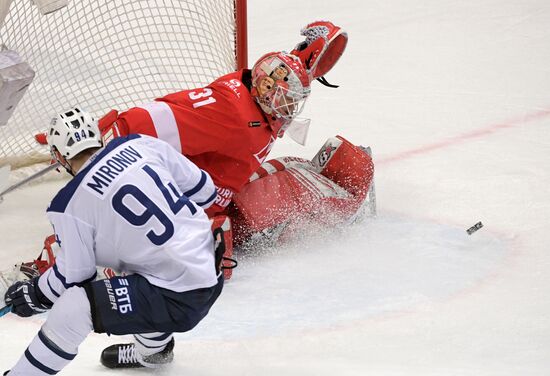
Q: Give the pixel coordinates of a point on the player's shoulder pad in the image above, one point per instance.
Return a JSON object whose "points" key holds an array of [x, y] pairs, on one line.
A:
{"points": [[63, 197]]}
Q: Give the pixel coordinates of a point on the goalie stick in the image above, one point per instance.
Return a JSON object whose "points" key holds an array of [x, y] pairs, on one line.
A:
{"points": [[26, 180]]}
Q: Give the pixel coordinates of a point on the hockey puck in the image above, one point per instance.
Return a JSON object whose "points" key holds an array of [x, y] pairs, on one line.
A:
{"points": [[474, 228]]}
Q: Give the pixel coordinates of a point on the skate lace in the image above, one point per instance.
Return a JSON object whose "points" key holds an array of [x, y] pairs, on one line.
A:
{"points": [[127, 354]]}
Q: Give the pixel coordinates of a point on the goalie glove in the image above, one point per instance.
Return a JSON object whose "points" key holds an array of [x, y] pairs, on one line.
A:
{"points": [[26, 299], [324, 44]]}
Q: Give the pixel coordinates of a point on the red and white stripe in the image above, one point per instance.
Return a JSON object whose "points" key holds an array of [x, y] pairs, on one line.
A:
{"points": [[165, 123]]}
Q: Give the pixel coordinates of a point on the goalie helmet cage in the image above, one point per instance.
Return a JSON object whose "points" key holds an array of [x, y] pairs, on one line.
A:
{"points": [[114, 54]]}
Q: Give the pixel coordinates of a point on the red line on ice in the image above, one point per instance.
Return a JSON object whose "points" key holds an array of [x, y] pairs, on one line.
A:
{"points": [[511, 123]]}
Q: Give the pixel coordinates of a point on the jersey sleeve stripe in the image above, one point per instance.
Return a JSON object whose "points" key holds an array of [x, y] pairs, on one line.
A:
{"points": [[91, 279], [209, 200], [60, 277], [55, 293], [64, 280], [197, 187]]}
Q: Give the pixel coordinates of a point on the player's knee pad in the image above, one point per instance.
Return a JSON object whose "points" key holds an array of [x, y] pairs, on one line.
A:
{"points": [[70, 320]]}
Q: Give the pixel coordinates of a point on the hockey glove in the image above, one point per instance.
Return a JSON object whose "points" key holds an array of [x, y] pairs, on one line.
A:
{"points": [[26, 299], [324, 44]]}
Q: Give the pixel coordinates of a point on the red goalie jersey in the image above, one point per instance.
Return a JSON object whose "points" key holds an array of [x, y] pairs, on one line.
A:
{"points": [[219, 127]]}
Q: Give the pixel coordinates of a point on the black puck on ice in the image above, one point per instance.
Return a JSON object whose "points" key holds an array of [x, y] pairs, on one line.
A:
{"points": [[474, 228]]}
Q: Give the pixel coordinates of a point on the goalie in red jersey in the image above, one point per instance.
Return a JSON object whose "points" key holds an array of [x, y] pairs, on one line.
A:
{"points": [[228, 128]]}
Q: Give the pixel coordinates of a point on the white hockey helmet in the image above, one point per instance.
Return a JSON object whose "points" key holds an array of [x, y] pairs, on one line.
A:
{"points": [[72, 132]]}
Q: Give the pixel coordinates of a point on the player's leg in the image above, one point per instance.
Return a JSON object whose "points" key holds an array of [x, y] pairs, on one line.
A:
{"points": [[131, 305], [56, 344], [149, 350]]}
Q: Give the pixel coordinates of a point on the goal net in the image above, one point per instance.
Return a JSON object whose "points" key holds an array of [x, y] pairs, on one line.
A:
{"points": [[114, 54]]}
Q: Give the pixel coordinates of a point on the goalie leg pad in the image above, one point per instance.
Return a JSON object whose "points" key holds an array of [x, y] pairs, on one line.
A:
{"points": [[288, 193], [279, 205], [349, 166]]}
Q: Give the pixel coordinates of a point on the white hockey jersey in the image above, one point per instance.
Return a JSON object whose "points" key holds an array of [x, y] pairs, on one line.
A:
{"points": [[136, 206]]}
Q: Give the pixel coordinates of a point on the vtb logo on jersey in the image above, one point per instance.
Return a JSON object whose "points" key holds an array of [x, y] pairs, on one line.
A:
{"points": [[118, 292], [262, 154]]}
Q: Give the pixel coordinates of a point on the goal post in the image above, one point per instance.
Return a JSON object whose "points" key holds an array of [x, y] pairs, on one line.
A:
{"points": [[114, 54], [241, 34]]}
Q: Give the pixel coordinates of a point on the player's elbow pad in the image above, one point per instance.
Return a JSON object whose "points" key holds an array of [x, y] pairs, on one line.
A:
{"points": [[206, 196]]}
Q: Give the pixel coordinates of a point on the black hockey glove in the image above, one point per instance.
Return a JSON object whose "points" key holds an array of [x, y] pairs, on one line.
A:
{"points": [[26, 299]]}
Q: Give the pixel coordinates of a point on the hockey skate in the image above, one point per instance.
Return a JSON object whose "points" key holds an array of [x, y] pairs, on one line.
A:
{"points": [[126, 356]]}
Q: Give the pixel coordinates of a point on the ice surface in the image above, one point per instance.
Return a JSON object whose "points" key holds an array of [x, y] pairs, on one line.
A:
{"points": [[454, 98]]}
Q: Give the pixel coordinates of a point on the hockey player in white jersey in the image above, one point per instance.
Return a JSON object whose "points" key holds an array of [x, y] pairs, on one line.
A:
{"points": [[137, 206]]}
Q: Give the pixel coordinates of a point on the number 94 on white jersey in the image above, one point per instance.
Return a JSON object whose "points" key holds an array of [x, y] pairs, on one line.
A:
{"points": [[137, 206]]}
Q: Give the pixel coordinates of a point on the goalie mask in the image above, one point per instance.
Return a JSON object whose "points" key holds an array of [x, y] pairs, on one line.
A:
{"points": [[280, 85], [70, 133]]}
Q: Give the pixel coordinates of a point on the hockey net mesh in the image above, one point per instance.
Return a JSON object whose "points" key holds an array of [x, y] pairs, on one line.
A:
{"points": [[110, 54]]}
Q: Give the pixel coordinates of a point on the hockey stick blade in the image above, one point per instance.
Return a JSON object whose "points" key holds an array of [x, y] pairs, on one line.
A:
{"points": [[5, 310], [28, 179]]}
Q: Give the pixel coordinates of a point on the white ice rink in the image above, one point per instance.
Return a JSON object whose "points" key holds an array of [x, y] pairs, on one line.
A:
{"points": [[454, 99]]}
